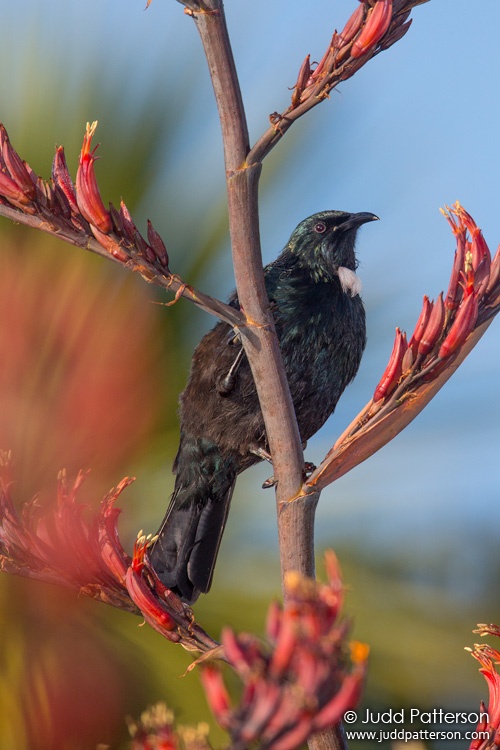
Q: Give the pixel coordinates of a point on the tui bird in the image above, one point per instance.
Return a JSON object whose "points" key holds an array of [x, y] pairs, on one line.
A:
{"points": [[320, 322]]}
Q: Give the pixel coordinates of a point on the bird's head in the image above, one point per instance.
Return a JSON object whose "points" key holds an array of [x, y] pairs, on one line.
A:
{"points": [[325, 243]]}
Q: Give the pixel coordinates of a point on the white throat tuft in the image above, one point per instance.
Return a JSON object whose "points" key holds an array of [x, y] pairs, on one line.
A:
{"points": [[349, 282]]}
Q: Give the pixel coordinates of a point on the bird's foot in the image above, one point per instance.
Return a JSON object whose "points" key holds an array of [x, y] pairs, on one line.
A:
{"points": [[265, 456], [261, 453], [308, 470], [271, 482]]}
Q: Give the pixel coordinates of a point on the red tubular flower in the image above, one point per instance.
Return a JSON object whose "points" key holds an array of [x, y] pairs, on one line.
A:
{"points": [[455, 292], [481, 257], [352, 26], [481, 262], [420, 325], [433, 328], [87, 190], [300, 681], [462, 326], [150, 605], [217, 695], [377, 23], [394, 368]]}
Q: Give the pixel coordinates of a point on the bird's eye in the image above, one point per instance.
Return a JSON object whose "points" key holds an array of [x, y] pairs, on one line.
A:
{"points": [[320, 227]]}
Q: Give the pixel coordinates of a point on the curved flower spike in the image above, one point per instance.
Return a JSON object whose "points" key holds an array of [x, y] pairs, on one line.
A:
{"points": [[444, 334], [79, 549]]}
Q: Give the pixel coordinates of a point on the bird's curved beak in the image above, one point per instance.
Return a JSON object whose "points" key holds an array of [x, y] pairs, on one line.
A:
{"points": [[356, 220]]}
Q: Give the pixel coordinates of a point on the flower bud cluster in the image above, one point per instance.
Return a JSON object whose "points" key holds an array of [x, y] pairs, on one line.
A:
{"points": [[65, 208], [298, 683], [375, 25], [76, 548], [445, 325]]}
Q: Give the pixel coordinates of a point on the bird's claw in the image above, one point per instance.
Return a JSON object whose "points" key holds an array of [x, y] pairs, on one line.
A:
{"points": [[261, 453], [308, 470], [271, 482]]}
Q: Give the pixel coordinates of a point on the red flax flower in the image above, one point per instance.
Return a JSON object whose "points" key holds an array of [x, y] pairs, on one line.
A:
{"points": [[87, 190], [302, 681], [72, 547], [445, 332], [78, 216], [489, 721]]}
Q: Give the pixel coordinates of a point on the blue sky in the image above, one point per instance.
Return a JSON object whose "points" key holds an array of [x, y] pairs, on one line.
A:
{"points": [[417, 128]]}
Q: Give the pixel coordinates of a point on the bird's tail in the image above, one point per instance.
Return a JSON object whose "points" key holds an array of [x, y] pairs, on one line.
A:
{"points": [[189, 537]]}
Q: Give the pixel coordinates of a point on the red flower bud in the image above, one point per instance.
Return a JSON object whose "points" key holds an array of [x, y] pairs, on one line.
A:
{"points": [[87, 190], [157, 245], [494, 273], [480, 253], [62, 180], [481, 262], [284, 648], [421, 325], [462, 326], [394, 368], [396, 33], [318, 70], [273, 622], [129, 228], [352, 26], [454, 293], [16, 167], [217, 695], [433, 328], [376, 25], [10, 190], [149, 604], [302, 79], [348, 695], [235, 652]]}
